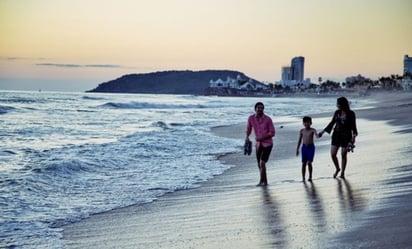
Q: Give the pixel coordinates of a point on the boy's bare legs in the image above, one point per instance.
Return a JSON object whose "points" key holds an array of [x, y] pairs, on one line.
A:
{"points": [[344, 153], [310, 171], [303, 171], [333, 152]]}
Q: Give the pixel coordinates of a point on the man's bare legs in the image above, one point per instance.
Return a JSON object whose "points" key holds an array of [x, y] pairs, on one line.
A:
{"points": [[262, 169], [333, 153]]}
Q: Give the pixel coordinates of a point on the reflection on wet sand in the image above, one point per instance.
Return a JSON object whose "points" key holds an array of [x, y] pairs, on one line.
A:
{"points": [[315, 206], [272, 218], [349, 199]]}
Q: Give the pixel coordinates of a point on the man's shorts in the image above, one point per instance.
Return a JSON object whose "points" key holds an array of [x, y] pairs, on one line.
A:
{"points": [[263, 153], [308, 153]]}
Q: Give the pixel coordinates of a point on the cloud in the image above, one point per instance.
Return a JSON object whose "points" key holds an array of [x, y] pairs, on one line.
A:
{"points": [[57, 65], [64, 65], [11, 58], [103, 65], [78, 65]]}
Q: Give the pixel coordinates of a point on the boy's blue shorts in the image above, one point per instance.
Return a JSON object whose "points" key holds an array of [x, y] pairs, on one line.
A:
{"points": [[308, 153]]}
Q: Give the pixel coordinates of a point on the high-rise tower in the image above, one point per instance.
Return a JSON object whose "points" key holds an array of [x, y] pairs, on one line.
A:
{"points": [[298, 68], [286, 73], [407, 64]]}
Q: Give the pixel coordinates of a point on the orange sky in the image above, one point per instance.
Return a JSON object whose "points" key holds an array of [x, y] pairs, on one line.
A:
{"points": [[75, 45]]}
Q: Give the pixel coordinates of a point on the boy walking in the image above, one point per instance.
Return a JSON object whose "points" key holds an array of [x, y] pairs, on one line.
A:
{"points": [[306, 136]]}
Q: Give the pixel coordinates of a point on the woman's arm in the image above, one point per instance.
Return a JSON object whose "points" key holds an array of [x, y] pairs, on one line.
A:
{"points": [[354, 129], [329, 127]]}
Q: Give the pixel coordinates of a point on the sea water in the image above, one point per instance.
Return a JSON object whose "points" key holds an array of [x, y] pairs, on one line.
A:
{"points": [[65, 156]]}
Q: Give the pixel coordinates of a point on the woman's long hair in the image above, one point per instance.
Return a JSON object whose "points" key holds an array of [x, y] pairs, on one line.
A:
{"points": [[343, 103]]}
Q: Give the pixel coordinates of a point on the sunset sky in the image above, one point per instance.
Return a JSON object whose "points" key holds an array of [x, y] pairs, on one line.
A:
{"points": [[74, 45]]}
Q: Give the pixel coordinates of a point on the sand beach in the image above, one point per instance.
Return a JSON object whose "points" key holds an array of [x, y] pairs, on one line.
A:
{"points": [[369, 209]]}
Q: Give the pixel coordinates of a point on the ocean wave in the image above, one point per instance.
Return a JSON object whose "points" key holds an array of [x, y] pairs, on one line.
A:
{"points": [[63, 168], [7, 153], [160, 124], [26, 100], [177, 124], [5, 109], [145, 105], [92, 98]]}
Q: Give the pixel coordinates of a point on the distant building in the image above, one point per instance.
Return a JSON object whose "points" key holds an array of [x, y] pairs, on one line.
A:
{"points": [[293, 75], [237, 87], [286, 73], [238, 83], [298, 68], [407, 64], [406, 84], [228, 83]]}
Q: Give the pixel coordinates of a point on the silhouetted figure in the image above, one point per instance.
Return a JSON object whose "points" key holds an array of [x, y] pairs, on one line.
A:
{"points": [[344, 133]]}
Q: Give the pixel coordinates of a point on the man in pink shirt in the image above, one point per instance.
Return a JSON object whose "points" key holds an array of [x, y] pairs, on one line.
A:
{"points": [[264, 130]]}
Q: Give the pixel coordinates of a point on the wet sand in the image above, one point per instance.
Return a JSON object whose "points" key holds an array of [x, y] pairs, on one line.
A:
{"points": [[369, 209]]}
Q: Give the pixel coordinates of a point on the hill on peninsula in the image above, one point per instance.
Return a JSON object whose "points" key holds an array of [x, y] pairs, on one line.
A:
{"points": [[167, 82]]}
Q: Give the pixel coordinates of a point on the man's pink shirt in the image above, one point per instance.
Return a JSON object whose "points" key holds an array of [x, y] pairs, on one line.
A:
{"points": [[261, 127]]}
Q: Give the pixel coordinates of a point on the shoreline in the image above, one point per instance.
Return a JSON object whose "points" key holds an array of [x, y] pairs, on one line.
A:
{"points": [[228, 211], [386, 226]]}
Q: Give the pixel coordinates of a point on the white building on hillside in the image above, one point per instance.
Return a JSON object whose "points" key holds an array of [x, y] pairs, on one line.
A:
{"points": [[238, 83], [228, 83]]}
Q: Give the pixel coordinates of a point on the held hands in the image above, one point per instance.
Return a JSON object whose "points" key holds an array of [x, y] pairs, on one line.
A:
{"points": [[320, 134]]}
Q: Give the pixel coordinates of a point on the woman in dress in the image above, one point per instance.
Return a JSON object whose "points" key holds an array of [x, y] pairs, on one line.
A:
{"points": [[344, 134]]}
